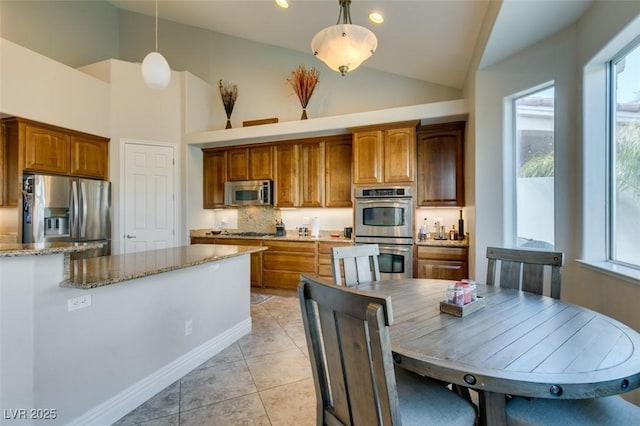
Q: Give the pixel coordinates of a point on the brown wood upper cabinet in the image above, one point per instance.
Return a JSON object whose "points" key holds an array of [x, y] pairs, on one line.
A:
{"points": [[384, 154], [30, 146], [252, 163], [214, 173], [286, 190], [441, 165], [89, 157], [338, 155], [46, 150], [311, 173]]}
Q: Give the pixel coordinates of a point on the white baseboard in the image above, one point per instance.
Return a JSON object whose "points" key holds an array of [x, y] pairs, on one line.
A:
{"points": [[124, 402]]}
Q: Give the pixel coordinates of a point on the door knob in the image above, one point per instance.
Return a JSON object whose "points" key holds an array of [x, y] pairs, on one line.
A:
{"points": [[130, 236]]}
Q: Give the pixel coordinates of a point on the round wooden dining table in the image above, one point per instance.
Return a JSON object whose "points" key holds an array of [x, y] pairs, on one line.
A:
{"points": [[518, 343]]}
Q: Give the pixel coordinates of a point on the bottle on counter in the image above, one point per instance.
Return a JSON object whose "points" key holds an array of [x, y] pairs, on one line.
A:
{"points": [[422, 233], [460, 227], [453, 235]]}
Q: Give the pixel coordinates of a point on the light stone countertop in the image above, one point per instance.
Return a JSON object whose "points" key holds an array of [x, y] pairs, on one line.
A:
{"points": [[37, 249], [106, 270], [291, 235]]}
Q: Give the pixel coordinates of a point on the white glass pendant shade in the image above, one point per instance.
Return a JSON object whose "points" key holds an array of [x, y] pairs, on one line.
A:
{"points": [[155, 71], [344, 47]]}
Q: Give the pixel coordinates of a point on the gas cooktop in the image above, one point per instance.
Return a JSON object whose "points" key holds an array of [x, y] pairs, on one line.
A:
{"points": [[250, 234]]}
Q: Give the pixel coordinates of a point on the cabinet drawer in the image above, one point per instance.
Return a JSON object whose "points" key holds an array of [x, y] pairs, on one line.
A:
{"points": [[325, 248], [442, 269], [237, 242], [202, 240], [289, 262], [281, 279], [324, 259], [443, 253], [290, 246]]}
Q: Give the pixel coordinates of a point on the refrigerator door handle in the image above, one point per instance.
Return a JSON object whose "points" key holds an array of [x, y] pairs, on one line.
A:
{"points": [[74, 209], [83, 211]]}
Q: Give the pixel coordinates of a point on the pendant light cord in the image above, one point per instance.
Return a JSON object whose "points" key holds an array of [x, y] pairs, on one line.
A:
{"points": [[156, 25]]}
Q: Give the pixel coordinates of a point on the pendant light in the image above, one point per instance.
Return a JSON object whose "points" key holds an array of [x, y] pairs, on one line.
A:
{"points": [[344, 46], [155, 68]]}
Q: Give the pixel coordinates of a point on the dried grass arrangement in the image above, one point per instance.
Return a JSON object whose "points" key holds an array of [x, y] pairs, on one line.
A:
{"points": [[229, 94], [303, 81]]}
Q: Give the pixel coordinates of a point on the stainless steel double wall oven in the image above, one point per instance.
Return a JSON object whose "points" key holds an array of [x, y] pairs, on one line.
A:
{"points": [[384, 215]]}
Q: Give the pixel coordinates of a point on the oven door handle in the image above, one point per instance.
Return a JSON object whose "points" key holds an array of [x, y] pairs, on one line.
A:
{"points": [[395, 248], [380, 200]]}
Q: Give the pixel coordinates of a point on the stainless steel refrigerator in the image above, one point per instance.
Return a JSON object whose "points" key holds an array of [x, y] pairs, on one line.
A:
{"points": [[60, 208]]}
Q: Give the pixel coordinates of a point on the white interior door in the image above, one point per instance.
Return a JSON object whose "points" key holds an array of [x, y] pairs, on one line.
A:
{"points": [[149, 188]]}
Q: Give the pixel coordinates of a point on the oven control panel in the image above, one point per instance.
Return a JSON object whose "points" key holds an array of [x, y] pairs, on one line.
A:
{"points": [[393, 192]]}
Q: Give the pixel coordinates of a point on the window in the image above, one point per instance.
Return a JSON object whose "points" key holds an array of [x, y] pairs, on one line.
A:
{"points": [[624, 154], [533, 119]]}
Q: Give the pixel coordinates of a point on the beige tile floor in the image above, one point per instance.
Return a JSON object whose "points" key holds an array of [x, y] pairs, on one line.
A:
{"points": [[263, 379]]}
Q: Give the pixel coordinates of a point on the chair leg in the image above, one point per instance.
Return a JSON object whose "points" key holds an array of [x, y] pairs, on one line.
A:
{"points": [[462, 391]]}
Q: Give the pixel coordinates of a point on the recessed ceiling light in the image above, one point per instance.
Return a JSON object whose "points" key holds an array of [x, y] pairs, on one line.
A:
{"points": [[282, 3], [376, 17]]}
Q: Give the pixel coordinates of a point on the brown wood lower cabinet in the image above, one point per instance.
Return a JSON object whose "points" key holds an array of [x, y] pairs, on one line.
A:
{"points": [[284, 261], [256, 258], [445, 263], [325, 270], [281, 265]]}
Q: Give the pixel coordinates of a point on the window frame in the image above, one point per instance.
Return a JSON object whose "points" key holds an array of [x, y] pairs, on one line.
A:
{"points": [[610, 157], [512, 154]]}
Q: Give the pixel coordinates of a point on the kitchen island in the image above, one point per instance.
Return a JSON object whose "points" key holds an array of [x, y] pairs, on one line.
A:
{"points": [[90, 339]]}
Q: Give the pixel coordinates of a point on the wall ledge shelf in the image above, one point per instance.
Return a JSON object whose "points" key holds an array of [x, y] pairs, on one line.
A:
{"points": [[431, 113]]}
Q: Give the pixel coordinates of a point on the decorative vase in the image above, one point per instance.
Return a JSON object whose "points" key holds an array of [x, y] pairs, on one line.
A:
{"points": [[303, 81], [229, 94]]}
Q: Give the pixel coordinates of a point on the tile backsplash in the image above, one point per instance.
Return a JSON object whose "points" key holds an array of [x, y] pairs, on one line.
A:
{"points": [[263, 219]]}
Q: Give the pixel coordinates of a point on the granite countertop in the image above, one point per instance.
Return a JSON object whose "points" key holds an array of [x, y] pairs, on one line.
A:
{"points": [[13, 250], [444, 243], [291, 235], [105, 270]]}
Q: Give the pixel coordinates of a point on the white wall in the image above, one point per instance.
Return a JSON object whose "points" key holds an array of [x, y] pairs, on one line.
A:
{"points": [[260, 71], [143, 114], [551, 60], [35, 87], [560, 58]]}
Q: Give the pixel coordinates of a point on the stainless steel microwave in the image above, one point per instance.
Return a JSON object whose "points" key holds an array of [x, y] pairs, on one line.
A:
{"points": [[248, 193]]}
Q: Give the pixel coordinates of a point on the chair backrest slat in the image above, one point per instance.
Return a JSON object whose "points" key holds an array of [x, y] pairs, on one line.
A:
{"points": [[524, 269], [350, 352], [360, 264]]}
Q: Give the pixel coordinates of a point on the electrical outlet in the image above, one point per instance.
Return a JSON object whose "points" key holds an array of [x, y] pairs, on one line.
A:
{"points": [[188, 327], [79, 302]]}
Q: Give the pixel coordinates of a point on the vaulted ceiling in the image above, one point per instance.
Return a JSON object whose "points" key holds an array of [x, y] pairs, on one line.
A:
{"points": [[428, 40]]}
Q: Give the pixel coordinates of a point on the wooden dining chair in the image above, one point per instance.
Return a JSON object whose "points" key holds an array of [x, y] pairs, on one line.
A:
{"points": [[360, 264], [353, 370], [523, 269]]}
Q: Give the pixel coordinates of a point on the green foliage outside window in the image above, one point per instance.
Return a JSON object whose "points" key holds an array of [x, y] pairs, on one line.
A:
{"points": [[540, 166], [628, 158]]}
